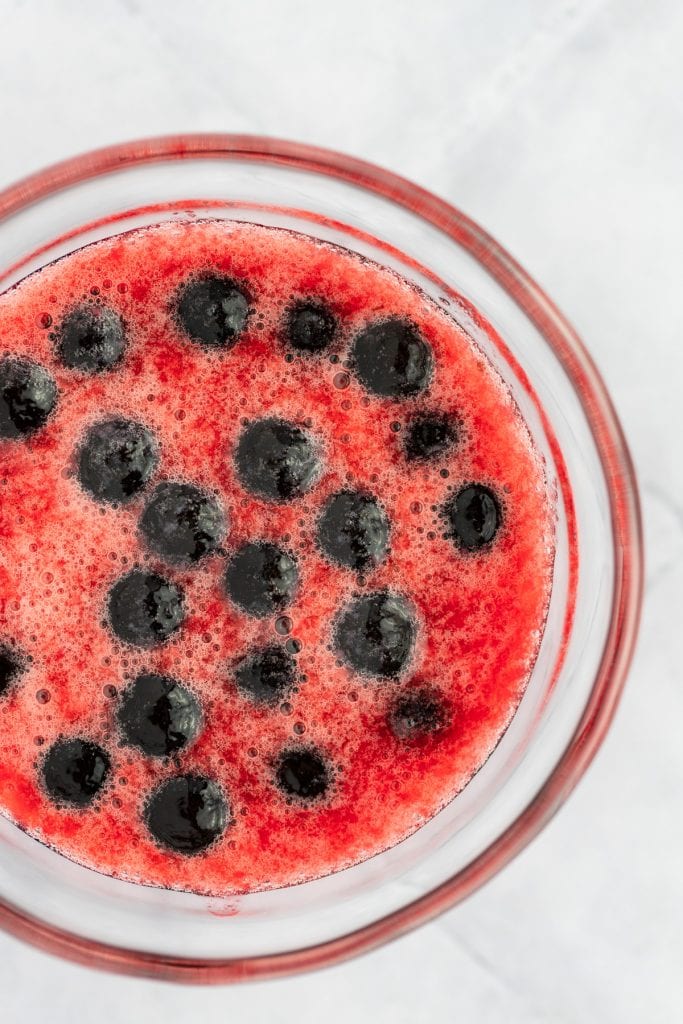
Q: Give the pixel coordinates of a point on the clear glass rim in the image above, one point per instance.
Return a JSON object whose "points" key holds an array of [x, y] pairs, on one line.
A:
{"points": [[625, 521]]}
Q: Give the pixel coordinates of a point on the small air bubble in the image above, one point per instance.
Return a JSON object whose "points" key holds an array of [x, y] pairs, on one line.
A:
{"points": [[395, 426], [45, 320], [341, 381], [293, 646], [253, 752], [122, 287], [283, 625], [109, 690], [38, 740], [286, 708], [299, 728], [289, 358], [95, 290], [444, 473], [353, 695], [43, 696], [346, 404], [180, 414], [415, 507]]}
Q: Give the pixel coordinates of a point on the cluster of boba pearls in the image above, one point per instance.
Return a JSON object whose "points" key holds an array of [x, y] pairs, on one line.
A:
{"points": [[180, 524]]}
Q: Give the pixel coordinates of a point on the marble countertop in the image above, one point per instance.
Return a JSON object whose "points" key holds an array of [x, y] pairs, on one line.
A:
{"points": [[557, 125]]}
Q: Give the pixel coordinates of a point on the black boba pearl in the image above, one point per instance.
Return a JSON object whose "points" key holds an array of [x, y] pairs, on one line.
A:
{"points": [[416, 714], [182, 523], [375, 634], [266, 675], [213, 310], [473, 517], [74, 771], [262, 578], [392, 359], [159, 715], [145, 609], [11, 667], [354, 530], [91, 338], [303, 773], [116, 460], [276, 460], [310, 327], [28, 395], [429, 436], [187, 813]]}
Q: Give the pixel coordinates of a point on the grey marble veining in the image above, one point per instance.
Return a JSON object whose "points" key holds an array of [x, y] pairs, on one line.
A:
{"points": [[557, 124]]}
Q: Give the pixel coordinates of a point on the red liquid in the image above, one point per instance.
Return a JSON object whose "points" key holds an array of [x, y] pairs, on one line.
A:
{"points": [[481, 615]]}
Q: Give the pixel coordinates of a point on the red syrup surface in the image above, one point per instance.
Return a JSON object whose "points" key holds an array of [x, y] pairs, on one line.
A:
{"points": [[479, 615]]}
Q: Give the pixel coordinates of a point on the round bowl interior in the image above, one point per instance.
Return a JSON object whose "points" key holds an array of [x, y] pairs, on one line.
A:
{"points": [[592, 620]]}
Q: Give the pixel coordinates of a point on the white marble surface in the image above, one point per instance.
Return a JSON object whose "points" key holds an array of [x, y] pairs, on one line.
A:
{"points": [[557, 124]]}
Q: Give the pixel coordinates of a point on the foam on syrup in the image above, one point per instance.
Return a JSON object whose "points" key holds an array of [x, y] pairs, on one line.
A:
{"points": [[480, 616]]}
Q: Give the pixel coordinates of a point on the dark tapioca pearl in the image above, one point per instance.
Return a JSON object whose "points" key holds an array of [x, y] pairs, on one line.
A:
{"points": [[28, 395], [276, 460], [266, 675], [159, 715], [473, 517], [262, 578], [116, 460], [376, 634], [12, 665], [145, 609], [182, 523], [187, 813], [392, 359], [430, 435], [303, 773], [416, 714], [74, 771], [213, 310], [91, 338], [354, 530], [310, 327]]}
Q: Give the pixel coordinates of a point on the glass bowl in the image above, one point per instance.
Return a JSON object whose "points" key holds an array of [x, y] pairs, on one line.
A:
{"points": [[77, 913]]}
